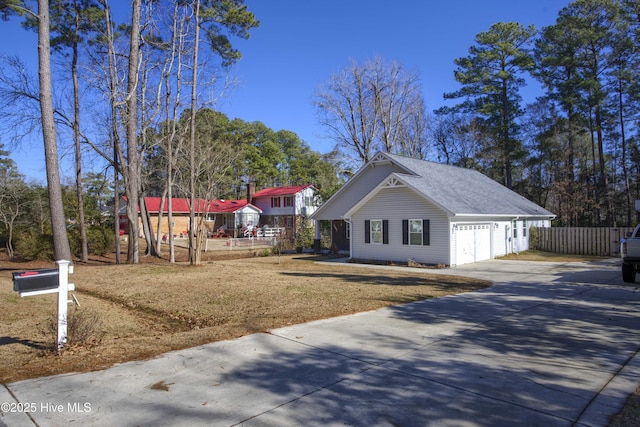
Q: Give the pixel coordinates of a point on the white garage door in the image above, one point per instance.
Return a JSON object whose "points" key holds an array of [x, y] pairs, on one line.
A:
{"points": [[473, 243]]}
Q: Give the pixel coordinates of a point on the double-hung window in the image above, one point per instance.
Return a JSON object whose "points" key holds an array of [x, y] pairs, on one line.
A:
{"points": [[415, 232], [275, 202], [376, 231]]}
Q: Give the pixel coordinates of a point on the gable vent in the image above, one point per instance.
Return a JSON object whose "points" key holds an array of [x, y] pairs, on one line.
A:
{"points": [[380, 159], [393, 183]]}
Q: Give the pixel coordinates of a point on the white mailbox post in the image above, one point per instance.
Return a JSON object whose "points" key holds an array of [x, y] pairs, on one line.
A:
{"points": [[38, 282], [63, 300]]}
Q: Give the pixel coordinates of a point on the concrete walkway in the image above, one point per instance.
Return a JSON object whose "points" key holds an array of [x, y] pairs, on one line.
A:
{"points": [[549, 344]]}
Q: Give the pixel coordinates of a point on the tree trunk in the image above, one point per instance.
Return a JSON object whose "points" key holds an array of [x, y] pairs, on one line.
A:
{"points": [[117, 149], [625, 171], [116, 216], [571, 219], [163, 200], [596, 188], [193, 241], [172, 248], [506, 136], [132, 174], [61, 248], [603, 182], [146, 227], [84, 252]]}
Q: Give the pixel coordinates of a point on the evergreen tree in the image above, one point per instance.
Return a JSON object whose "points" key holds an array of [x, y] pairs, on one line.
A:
{"points": [[491, 77]]}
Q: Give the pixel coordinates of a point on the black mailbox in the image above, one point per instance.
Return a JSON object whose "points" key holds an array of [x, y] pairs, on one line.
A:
{"points": [[35, 280]]}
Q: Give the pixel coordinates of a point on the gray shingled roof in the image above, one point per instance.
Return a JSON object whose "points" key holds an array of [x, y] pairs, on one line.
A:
{"points": [[465, 191]]}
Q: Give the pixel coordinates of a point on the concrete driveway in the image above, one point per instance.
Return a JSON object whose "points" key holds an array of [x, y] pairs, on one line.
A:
{"points": [[550, 344]]}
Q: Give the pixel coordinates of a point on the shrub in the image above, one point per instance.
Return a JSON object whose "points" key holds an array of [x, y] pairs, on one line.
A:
{"points": [[31, 245], [101, 240], [84, 329], [534, 238], [264, 253]]}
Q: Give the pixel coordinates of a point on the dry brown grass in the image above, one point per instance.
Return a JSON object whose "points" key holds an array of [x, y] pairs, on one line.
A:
{"points": [[630, 414], [155, 307], [548, 256]]}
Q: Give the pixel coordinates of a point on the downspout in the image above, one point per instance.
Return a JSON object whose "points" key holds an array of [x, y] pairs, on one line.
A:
{"points": [[514, 224], [351, 239], [317, 248], [492, 238]]}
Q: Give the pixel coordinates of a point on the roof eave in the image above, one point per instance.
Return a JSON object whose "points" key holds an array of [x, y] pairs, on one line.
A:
{"points": [[380, 158], [386, 183], [510, 216]]}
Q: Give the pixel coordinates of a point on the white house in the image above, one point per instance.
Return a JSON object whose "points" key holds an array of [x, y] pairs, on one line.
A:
{"points": [[285, 206], [397, 208]]}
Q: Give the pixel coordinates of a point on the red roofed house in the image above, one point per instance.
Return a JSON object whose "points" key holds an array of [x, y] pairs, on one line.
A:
{"points": [[232, 215], [285, 206]]}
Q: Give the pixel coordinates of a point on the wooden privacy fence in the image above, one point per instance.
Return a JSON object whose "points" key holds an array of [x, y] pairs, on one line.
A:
{"points": [[599, 241]]}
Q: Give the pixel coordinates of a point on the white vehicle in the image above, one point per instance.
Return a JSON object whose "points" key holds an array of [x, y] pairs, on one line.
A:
{"points": [[630, 253]]}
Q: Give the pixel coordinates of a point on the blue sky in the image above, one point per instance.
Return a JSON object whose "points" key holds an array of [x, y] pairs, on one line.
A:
{"points": [[300, 43]]}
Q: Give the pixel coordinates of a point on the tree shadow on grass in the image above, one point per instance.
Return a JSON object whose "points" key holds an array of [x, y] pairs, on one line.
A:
{"points": [[441, 281], [38, 345]]}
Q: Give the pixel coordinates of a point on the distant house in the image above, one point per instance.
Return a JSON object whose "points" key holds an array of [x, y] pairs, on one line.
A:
{"points": [[397, 208], [232, 215], [285, 206], [282, 207]]}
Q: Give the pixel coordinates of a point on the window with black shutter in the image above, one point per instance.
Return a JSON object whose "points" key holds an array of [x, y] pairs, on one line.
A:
{"points": [[385, 231], [426, 232], [367, 231], [416, 232], [376, 231]]}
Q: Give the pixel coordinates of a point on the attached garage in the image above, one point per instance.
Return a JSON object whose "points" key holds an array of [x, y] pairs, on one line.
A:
{"points": [[430, 213], [473, 243]]}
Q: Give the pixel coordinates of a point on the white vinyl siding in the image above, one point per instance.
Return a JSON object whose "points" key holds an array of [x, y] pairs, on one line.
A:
{"points": [[301, 203], [501, 241], [395, 205], [355, 190], [305, 202], [520, 238], [523, 242]]}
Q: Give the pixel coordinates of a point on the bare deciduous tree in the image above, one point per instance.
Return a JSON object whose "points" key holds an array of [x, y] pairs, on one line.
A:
{"points": [[13, 200], [371, 107], [457, 138], [192, 140]]}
